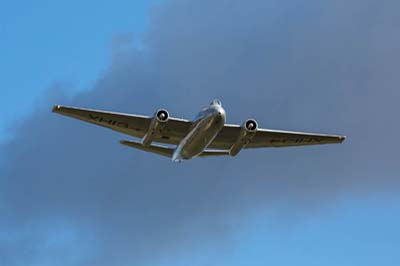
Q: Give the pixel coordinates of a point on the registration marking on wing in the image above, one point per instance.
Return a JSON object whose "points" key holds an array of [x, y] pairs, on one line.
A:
{"points": [[111, 122], [299, 140]]}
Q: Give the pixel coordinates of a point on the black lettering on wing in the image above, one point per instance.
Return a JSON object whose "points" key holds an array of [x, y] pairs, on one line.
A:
{"points": [[110, 122], [93, 117]]}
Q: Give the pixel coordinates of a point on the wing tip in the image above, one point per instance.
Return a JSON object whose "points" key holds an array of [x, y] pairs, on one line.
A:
{"points": [[56, 108], [124, 142]]}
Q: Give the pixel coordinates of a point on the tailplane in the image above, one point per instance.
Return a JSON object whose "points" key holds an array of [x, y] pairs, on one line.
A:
{"points": [[168, 151], [158, 149]]}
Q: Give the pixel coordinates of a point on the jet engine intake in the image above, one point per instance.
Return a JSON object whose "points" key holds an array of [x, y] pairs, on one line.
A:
{"points": [[157, 124], [248, 131]]}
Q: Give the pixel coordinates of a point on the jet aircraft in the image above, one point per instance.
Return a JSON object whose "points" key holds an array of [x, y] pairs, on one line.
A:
{"points": [[205, 135]]}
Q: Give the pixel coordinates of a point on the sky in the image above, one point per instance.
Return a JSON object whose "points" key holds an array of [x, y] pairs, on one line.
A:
{"points": [[71, 195], [64, 42]]}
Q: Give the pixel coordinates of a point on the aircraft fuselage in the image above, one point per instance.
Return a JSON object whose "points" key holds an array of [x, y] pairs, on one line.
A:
{"points": [[207, 124]]}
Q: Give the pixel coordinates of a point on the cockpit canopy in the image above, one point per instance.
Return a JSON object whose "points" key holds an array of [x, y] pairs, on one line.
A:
{"points": [[216, 102]]}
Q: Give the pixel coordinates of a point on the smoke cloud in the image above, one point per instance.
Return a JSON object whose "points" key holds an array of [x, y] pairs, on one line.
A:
{"points": [[71, 195]]}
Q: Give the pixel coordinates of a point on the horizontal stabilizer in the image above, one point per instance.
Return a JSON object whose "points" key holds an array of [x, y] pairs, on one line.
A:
{"points": [[158, 149], [207, 153], [167, 151]]}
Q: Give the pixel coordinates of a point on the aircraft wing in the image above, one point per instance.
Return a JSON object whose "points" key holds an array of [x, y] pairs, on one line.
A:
{"points": [[272, 138], [133, 125]]}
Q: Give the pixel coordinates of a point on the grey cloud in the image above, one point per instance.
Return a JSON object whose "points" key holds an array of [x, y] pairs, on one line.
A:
{"points": [[312, 65]]}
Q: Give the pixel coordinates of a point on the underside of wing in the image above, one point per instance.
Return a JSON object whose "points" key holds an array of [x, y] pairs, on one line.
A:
{"points": [[230, 134], [133, 125], [280, 138]]}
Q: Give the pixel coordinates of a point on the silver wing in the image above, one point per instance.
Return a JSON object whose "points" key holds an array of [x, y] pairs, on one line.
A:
{"points": [[133, 125], [272, 138]]}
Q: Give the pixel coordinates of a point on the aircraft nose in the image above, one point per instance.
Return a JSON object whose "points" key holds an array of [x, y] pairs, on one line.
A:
{"points": [[221, 112]]}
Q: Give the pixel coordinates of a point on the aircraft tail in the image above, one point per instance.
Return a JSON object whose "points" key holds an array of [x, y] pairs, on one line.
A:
{"points": [[158, 149], [168, 151]]}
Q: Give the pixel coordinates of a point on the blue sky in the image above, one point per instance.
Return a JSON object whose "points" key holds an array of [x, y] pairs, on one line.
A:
{"points": [[344, 234], [46, 43]]}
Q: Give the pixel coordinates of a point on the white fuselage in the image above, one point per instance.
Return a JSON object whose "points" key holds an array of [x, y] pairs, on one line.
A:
{"points": [[206, 127]]}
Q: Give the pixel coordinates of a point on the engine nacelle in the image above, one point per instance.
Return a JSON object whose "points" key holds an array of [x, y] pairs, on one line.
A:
{"points": [[248, 131], [157, 124]]}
